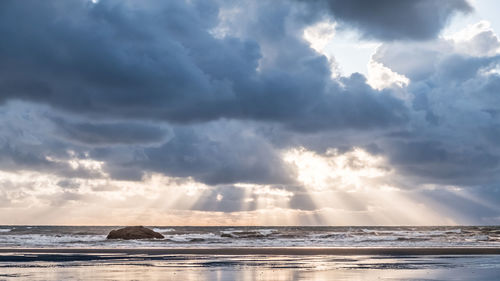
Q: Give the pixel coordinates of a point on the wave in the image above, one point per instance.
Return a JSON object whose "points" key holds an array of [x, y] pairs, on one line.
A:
{"points": [[190, 237], [163, 230], [258, 233], [48, 240]]}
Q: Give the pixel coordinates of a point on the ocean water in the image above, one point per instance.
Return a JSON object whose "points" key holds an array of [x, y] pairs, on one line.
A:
{"points": [[182, 236]]}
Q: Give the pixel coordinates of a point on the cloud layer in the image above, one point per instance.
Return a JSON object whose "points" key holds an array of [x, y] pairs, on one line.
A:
{"points": [[218, 93]]}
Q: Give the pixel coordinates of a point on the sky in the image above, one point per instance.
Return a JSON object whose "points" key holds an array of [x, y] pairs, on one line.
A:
{"points": [[241, 112]]}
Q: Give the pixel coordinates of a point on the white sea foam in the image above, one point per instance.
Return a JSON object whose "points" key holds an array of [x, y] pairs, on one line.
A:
{"points": [[163, 230], [267, 232], [189, 237], [48, 240], [5, 229], [250, 233]]}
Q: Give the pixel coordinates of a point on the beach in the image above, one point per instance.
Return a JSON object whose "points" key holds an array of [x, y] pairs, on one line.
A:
{"points": [[250, 264]]}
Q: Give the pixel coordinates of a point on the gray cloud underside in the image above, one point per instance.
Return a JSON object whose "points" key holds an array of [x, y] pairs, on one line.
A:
{"points": [[393, 19], [102, 134], [158, 60]]}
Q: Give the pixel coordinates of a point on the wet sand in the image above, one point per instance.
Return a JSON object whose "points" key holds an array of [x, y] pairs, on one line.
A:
{"points": [[123, 265]]}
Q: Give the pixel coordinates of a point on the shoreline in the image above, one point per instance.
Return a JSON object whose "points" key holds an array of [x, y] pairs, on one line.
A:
{"points": [[234, 251]]}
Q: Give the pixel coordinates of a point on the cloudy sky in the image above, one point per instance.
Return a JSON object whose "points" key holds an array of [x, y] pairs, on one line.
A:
{"points": [[242, 112]]}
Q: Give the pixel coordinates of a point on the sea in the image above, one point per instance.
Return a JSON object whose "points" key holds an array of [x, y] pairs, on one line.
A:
{"points": [[255, 236]]}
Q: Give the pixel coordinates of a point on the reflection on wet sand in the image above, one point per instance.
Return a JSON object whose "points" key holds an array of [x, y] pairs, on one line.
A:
{"points": [[276, 268]]}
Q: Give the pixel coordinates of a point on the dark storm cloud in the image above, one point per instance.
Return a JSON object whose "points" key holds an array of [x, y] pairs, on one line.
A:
{"points": [[159, 60], [28, 143], [32, 139], [110, 133], [492, 133], [445, 162], [118, 63], [394, 19], [226, 156], [14, 158]]}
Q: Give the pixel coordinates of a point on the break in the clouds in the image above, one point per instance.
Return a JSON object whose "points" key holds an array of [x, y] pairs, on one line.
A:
{"points": [[228, 109]]}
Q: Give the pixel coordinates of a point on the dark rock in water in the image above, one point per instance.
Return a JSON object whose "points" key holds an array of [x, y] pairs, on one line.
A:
{"points": [[134, 232]]}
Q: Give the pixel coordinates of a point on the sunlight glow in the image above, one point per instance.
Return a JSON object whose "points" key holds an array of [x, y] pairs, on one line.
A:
{"points": [[354, 188], [380, 77], [347, 171], [350, 187], [319, 35], [265, 196]]}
